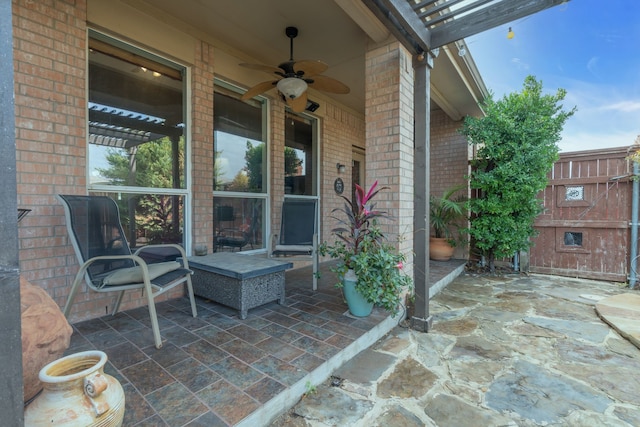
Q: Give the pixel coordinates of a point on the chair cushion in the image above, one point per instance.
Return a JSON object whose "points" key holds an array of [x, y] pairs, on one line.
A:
{"points": [[293, 249], [134, 274]]}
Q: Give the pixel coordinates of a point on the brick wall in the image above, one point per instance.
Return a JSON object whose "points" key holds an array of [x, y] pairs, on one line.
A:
{"points": [[449, 163], [51, 106], [50, 60], [50, 79], [449, 158], [389, 138], [341, 131]]}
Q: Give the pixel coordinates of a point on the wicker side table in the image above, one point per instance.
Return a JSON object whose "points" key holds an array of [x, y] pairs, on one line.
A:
{"points": [[238, 281]]}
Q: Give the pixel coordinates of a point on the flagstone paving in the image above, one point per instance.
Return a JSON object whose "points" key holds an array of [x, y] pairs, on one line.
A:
{"points": [[503, 351], [622, 312]]}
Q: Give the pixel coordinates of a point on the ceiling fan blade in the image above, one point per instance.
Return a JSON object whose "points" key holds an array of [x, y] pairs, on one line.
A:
{"points": [[258, 89], [299, 104], [310, 68], [265, 68], [328, 84]]}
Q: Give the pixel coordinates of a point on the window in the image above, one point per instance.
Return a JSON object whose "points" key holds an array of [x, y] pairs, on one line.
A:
{"points": [[568, 240], [572, 238], [574, 196], [574, 193], [300, 156], [137, 146], [240, 172], [240, 149]]}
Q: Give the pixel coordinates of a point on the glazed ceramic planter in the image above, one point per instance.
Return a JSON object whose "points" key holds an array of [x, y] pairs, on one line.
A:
{"points": [[77, 393], [358, 305]]}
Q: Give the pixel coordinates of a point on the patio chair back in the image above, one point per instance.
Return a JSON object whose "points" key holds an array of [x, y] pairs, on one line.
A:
{"points": [[107, 263], [94, 222], [299, 222], [298, 237]]}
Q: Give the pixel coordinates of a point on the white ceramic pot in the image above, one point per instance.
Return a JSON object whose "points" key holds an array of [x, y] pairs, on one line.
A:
{"points": [[77, 393]]}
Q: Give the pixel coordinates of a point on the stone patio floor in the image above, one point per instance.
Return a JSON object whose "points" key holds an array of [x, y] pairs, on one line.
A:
{"points": [[504, 351], [220, 370]]}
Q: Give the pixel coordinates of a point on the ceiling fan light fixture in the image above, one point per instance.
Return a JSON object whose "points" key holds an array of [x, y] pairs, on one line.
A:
{"points": [[292, 87]]}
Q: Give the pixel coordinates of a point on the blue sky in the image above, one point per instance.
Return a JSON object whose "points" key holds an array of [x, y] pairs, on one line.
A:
{"points": [[589, 48]]}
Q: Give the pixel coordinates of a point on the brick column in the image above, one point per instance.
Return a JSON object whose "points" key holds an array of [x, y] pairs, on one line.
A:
{"points": [[277, 120], [202, 146], [389, 114]]}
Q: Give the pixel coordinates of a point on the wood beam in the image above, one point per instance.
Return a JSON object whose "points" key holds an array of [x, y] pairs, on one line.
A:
{"points": [[487, 18], [425, 3], [403, 23], [421, 319], [11, 401], [453, 13], [435, 9]]}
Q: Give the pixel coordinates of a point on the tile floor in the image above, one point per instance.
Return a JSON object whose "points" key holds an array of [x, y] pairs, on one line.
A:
{"points": [[216, 369]]}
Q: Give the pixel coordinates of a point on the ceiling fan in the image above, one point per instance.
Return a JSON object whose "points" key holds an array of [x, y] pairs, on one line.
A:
{"points": [[294, 77]]}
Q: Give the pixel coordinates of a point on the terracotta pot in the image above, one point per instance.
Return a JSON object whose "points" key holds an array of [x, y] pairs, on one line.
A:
{"points": [[45, 334], [440, 249], [77, 393]]}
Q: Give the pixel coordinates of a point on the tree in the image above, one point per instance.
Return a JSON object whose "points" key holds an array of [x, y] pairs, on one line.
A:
{"points": [[255, 159], [157, 215], [291, 162], [516, 148]]}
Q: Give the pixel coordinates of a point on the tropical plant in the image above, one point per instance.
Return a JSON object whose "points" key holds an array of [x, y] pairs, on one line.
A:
{"points": [[516, 142], [360, 215], [361, 246], [446, 211]]}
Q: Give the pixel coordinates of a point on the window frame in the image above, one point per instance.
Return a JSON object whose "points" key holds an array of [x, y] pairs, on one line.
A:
{"points": [[561, 247], [265, 195], [184, 192], [316, 154]]}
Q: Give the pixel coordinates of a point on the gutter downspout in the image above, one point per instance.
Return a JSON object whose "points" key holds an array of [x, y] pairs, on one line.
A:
{"points": [[633, 257]]}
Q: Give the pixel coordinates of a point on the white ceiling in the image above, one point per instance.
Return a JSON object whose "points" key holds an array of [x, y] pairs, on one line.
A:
{"points": [[256, 28], [255, 31]]}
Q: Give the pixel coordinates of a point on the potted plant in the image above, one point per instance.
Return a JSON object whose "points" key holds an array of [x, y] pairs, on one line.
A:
{"points": [[445, 212], [370, 269]]}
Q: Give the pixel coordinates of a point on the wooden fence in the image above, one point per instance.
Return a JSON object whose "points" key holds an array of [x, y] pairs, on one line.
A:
{"points": [[584, 230]]}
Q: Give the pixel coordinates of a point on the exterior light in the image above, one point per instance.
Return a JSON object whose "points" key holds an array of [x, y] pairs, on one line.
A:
{"points": [[291, 87], [510, 34], [341, 168]]}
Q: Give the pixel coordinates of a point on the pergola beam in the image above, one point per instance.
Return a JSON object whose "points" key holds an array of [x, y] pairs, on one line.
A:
{"points": [[433, 10], [136, 123], [403, 22], [453, 13], [489, 17], [411, 25]]}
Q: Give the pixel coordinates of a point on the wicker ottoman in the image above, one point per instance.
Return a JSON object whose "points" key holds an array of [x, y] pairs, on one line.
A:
{"points": [[238, 281]]}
